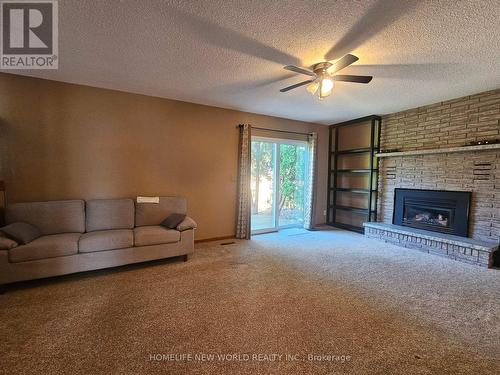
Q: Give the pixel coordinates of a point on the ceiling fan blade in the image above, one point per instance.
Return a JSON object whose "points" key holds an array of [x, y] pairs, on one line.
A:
{"points": [[296, 69], [343, 62], [356, 79], [296, 85]]}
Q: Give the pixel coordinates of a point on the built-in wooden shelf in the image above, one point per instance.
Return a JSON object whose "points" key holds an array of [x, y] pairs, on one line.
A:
{"points": [[352, 181], [357, 170], [447, 150], [353, 151], [352, 190]]}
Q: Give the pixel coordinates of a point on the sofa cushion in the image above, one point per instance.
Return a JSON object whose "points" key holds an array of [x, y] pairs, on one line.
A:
{"points": [[50, 246], [22, 233], [106, 240], [107, 214], [155, 235], [155, 213], [53, 217]]}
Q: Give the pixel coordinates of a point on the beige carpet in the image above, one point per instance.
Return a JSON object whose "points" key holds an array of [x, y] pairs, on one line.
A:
{"points": [[373, 308]]}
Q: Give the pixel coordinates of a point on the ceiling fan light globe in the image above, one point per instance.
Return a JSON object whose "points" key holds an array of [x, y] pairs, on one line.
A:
{"points": [[312, 88], [326, 87]]}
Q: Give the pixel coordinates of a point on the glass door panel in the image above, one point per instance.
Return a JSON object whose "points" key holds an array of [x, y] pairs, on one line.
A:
{"points": [[292, 172], [263, 186]]}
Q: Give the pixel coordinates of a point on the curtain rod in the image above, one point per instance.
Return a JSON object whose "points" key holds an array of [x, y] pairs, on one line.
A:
{"points": [[277, 131]]}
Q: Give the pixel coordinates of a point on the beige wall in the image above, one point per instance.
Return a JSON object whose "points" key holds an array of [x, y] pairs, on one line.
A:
{"points": [[62, 141]]}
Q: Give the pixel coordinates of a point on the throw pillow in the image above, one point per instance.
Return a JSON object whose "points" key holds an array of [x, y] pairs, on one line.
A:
{"points": [[172, 220], [22, 233]]}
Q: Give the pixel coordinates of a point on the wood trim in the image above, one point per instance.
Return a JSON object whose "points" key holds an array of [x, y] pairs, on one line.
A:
{"points": [[215, 239], [277, 130], [329, 177], [361, 119]]}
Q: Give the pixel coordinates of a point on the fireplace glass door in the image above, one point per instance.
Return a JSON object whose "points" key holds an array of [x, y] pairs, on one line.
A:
{"points": [[434, 210], [428, 217]]}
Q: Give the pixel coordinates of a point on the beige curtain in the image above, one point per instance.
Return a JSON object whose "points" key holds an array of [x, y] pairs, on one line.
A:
{"points": [[310, 191], [244, 194]]}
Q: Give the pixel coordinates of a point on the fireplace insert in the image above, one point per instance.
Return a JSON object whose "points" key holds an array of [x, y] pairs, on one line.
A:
{"points": [[435, 210]]}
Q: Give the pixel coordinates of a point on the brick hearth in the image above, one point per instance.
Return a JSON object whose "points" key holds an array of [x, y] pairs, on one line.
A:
{"points": [[458, 248]]}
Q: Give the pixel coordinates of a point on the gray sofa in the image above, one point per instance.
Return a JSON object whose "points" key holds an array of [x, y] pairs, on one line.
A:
{"points": [[82, 235]]}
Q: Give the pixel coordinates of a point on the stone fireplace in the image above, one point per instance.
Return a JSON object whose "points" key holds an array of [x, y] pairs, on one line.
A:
{"points": [[430, 151]]}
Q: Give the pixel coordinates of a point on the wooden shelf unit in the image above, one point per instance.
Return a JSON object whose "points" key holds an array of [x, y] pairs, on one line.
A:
{"points": [[353, 173]]}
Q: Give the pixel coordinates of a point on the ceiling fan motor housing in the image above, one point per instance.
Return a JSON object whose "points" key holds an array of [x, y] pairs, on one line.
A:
{"points": [[320, 68]]}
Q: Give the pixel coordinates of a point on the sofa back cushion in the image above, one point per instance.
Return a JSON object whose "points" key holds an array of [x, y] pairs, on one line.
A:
{"points": [[155, 213], [105, 214], [52, 217]]}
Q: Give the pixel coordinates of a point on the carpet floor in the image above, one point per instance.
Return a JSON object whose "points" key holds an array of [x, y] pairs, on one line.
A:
{"points": [[297, 302]]}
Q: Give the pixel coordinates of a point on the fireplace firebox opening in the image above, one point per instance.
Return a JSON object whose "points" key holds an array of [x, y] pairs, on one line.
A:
{"points": [[434, 210]]}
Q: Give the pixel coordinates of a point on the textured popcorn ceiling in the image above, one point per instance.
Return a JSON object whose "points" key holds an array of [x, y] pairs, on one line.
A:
{"points": [[231, 53]]}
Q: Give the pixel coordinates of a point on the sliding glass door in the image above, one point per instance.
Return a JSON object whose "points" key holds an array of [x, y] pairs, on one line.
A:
{"points": [[277, 183]]}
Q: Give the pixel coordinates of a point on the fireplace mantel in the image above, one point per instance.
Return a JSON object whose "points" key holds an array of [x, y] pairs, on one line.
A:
{"points": [[447, 150]]}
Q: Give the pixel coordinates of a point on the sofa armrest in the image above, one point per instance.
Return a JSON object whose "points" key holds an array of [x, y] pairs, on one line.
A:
{"points": [[6, 243], [186, 224]]}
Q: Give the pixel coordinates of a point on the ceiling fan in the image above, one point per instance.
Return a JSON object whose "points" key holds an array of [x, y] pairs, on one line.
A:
{"points": [[322, 82]]}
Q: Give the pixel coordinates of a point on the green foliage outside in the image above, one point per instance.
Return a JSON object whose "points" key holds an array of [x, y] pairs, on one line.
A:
{"points": [[292, 173], [292, 176]]}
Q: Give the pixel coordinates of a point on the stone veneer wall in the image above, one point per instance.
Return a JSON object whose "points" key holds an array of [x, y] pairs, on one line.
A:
{"points": [[447, 124]]}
